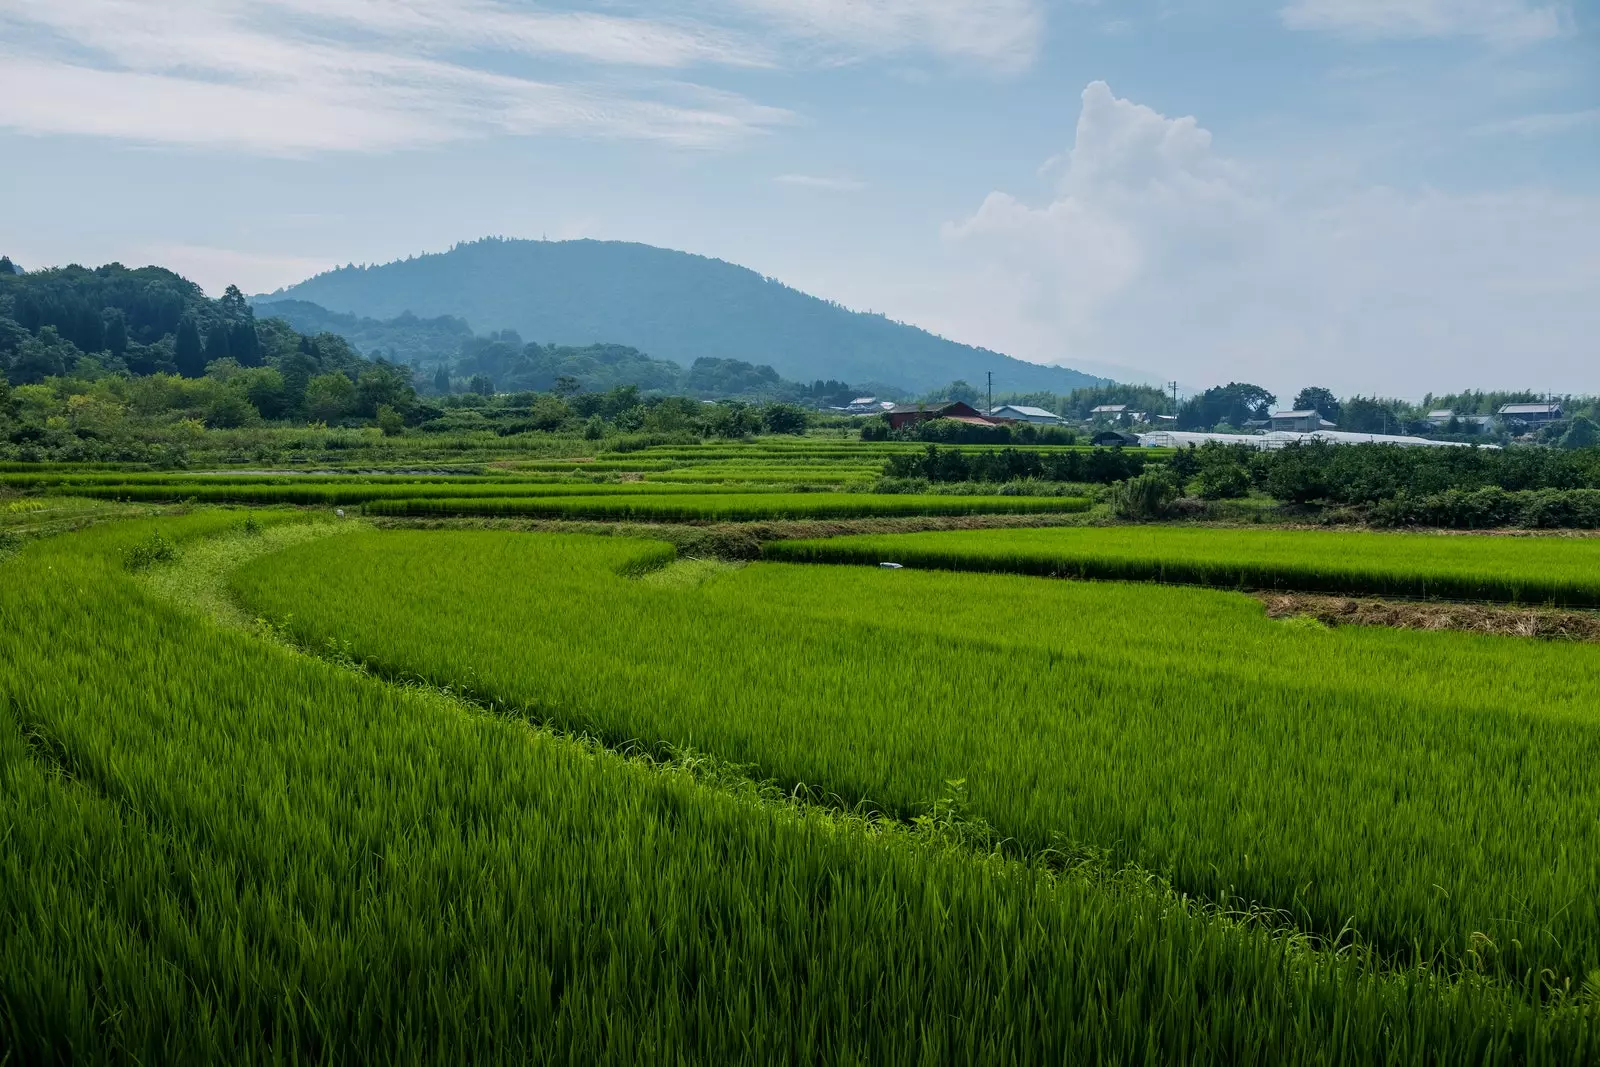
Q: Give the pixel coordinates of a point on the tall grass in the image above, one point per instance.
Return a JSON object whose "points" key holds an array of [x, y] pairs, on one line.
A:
{"points": [[1558, 570], [1433, 792], [218, 850]]}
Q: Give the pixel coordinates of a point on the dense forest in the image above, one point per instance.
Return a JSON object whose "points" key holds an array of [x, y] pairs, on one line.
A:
{"points": [[86, 351], [446, 357], [673, 305]]}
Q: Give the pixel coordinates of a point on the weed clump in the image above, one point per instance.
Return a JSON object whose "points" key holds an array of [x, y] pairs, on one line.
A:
{"points": [[147, 553]]}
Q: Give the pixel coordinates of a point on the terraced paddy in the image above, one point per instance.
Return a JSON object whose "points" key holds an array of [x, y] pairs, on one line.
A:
{"points": [[279, 786], [1180, 729], [1563, 571]]}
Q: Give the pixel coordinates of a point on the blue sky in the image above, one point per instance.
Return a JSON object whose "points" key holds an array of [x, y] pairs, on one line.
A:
{"points": [[1388, 196]]}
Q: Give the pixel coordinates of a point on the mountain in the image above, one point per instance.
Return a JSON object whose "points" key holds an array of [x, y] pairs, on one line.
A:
{"points": [[447, 346], [671, 305]]}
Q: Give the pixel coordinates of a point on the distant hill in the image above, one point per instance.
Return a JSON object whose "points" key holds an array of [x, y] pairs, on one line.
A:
{"points": [[447, 345], [671, 305]]}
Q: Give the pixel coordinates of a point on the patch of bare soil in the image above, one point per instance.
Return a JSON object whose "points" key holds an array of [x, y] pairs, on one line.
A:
{"points": [[1546, 623]]}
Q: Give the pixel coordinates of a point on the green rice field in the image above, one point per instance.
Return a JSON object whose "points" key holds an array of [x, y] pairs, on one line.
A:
{"points": [[1178, 728], [1556, 570], [280, 784]]}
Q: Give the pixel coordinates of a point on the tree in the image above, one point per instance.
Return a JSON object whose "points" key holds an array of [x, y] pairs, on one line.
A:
{"points": [[783, 418], [329, 397], [47, 356], [230, 407], [1316, 398], [390, 421], [264, 387], [244, 344], [8, 267], [441, 380], [297, 369], [1581, 434], [1368, 414], [116, 332], [234, 305], [481, 384], [8, 406], [1236, 403], [187, 351], [217, 343]]}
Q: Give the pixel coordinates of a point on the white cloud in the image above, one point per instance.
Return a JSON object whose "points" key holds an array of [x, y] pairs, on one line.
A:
{"points": [[814, 181], [1500, 21], [248, 76], [300, 76], [1158, 252], [1002, 34]]}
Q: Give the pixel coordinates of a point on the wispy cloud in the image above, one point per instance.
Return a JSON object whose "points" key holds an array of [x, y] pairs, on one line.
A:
{"points": [[293, 76], [1504, 22], [301, 76], [813, 181], [1000, 34]]}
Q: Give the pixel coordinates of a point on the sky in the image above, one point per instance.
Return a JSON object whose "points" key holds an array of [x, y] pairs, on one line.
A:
{"points": [[1383, 197]]}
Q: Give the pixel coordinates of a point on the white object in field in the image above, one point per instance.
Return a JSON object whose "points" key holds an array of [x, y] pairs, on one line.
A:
{"points": [[891, 566], [339, 512]]}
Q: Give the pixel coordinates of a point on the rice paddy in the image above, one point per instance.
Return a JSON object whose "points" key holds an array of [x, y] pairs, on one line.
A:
{"points": [[278, 785], [1179, 729], [1555, 570]]}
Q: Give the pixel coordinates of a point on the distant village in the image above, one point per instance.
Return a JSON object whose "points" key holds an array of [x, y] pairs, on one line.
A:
{"points": [[1122, 425]]}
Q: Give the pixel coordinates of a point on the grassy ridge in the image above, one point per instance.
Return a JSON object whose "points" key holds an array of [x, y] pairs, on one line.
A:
{"points": [[357, 492], [726, 505], [1563, 571], [219, 850], [1347, 777]]}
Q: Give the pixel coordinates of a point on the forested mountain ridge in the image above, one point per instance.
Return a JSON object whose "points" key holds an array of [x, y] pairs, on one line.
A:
{"points": [[445, 354], [673, 305]]}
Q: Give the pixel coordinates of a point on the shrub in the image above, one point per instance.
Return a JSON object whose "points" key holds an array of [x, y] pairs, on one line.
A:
{"points": [[1224, 482], [152, 550], [1145, 496]]}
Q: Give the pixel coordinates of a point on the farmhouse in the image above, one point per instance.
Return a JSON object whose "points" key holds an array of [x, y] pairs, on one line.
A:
{"points": [[1307, 421], [1108, 411], [1113, 439], [902, 415], [1019, 413], [1531, 414]]}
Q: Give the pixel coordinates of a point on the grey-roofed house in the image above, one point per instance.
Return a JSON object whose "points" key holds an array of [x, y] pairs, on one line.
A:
{"points": [[1531, 414], [1307, 421], [1023, 413]]}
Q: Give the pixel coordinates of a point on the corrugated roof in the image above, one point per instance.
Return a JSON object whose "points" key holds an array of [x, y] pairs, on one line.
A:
{"points": [[1529, 409], [1296, 414], [1038, 413]]}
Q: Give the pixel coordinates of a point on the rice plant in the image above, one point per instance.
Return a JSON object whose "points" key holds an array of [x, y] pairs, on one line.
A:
{"points": [[1557, 570], [217, 850], [1431, 793]]}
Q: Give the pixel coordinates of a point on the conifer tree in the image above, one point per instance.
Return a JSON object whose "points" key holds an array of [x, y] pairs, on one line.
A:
{"points": [[187, 351]]}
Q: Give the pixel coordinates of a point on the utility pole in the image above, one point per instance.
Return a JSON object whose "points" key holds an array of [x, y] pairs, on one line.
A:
{"points": [[990, 409], [1173, 385]]}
